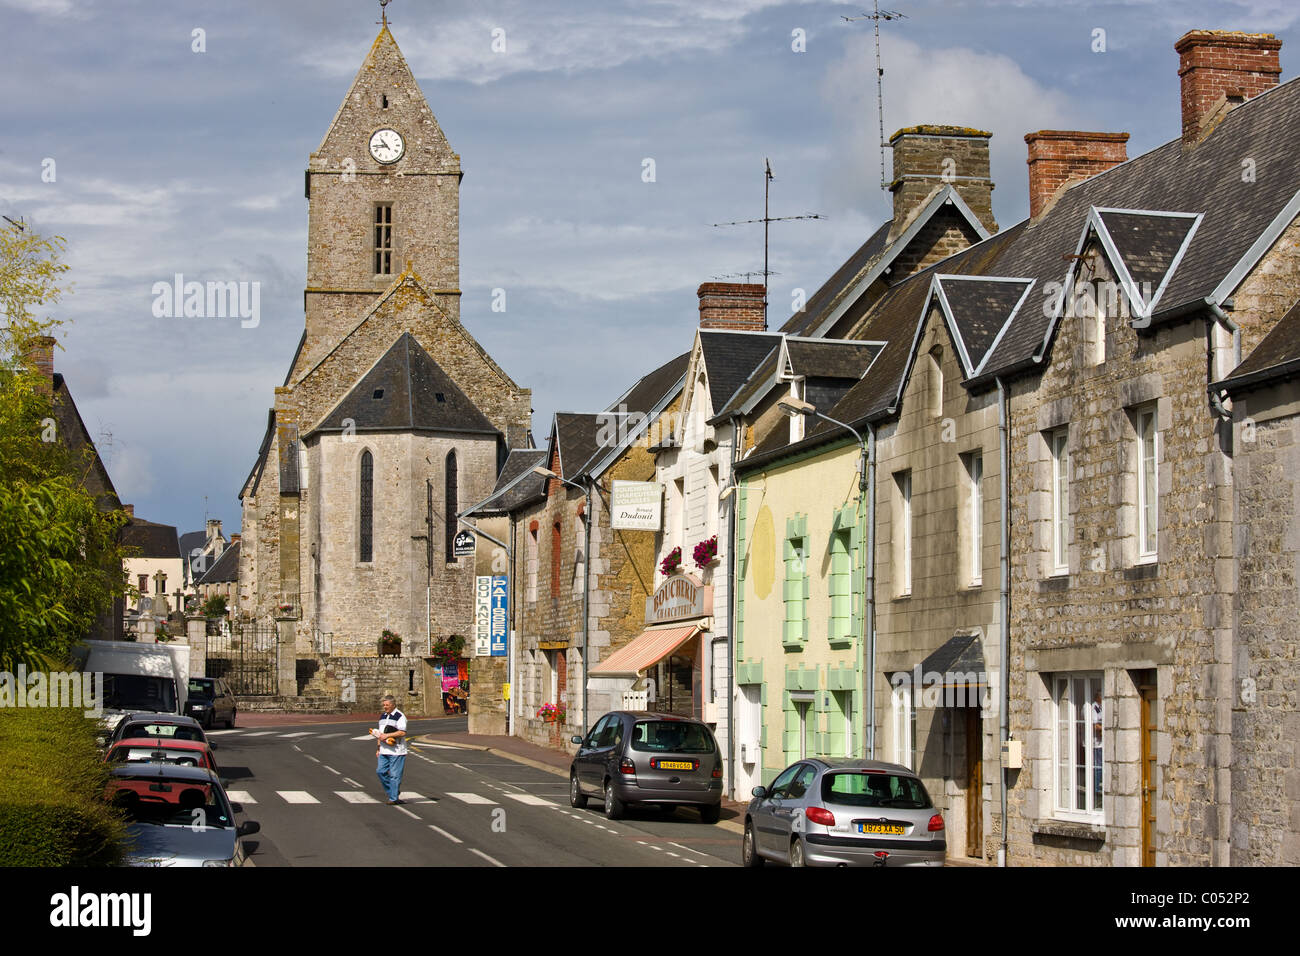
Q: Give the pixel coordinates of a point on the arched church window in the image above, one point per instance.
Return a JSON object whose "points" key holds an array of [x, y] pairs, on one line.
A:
{"points": [[449, 501], [367, 506]]}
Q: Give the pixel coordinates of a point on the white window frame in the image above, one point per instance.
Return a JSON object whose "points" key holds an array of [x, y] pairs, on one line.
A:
{"points": [[903, 719], [1148, 457], [805, 712], [1058, 446], [1065, 732], [973, 463], [903, 482]]}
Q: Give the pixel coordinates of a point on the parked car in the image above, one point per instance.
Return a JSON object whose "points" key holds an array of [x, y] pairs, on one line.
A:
{"points": [[636, 757], [210, 700], [180, 753], [177, 816], [844, 812], [166, 726]]}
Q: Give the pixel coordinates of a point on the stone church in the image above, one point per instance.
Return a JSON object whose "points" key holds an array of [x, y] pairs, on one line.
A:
{"points": [[392, 418]]}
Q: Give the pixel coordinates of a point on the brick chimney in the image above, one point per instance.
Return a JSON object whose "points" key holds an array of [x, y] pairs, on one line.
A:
{"points": [[1223, 67], [927, 157], [735, 306], [234, 539], [1058, 156], [40, 356], [129, 509]]}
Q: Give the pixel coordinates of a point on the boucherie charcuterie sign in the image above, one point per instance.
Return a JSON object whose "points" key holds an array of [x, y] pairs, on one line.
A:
{"points": [[679, 598]]}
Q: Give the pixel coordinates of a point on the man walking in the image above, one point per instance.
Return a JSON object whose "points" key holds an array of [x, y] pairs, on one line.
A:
{"points": [[392, 755]]}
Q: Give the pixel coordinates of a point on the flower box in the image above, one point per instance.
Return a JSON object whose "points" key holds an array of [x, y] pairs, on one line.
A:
{"points": [[672, 562]]}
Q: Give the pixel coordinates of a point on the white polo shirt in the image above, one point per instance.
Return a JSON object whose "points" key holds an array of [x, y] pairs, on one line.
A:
{"points": [[387, 724]]}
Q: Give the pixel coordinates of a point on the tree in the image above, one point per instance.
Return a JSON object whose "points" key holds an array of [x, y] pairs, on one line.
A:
{"points": [[60, 558]]}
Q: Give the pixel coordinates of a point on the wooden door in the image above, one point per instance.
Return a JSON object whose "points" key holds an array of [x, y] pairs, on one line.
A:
{"points": [[974, 783], [1147, 697]]}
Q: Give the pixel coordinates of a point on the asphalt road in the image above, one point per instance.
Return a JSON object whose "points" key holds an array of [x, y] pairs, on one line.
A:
{"points": [[314, 792]]}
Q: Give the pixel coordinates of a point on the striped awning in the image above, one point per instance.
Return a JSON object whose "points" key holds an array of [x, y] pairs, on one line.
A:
{"points": [[646, 650]]}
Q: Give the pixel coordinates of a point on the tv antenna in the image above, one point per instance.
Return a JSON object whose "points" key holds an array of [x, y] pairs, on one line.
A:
{"points": [[876, 16], [766, 221], [16, 223]]}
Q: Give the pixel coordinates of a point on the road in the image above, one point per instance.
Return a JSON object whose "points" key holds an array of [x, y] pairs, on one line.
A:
{"points": [[314, 792]]}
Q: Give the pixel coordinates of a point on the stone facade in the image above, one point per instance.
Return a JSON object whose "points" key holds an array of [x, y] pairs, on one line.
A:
{"points": [[927, 157]]}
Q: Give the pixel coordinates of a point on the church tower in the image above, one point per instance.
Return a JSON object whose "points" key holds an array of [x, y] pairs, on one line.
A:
{"points": [[393, 418], [383, 191]]}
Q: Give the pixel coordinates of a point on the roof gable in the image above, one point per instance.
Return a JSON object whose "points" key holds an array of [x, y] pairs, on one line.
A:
{"points": [[730, 357], [977, 310]]}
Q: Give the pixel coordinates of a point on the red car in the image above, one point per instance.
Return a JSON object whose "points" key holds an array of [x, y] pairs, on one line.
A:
{"points": [[181, 753]]}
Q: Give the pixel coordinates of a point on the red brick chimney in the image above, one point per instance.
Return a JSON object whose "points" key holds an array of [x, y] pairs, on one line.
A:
{"points": [[1222, 65], [1058, 156], [736, 306], [40, 356], [129, 509]]}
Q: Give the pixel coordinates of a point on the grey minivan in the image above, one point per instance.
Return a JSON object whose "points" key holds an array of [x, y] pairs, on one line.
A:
{"points": [[639, 757]]}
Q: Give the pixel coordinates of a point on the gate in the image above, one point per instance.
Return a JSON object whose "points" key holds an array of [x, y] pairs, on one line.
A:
{"points": [[245, 655]]}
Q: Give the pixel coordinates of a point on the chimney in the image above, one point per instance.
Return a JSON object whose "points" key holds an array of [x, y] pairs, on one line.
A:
{"points": [[929, 157], [1058, 157], [130, 510], [1218, 66], [40, 357], [234, 539], [735, 306]]}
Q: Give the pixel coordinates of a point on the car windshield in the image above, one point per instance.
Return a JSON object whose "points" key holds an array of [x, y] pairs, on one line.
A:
{"points": [[138, 692], [202, 687], [171, 731], [858, 788], [671, 736], [177, 757], [170, 802]]}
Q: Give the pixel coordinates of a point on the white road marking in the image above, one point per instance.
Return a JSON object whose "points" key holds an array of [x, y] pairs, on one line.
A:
{"points": [[310, 757], [413, 816], [261, 733], [531, 800], [240, 796], [472, 798], [657, 849], [296, 796], [301, 733], [213, 733], [351, 781], [330, 736], [364, 737], [443, 832], [356, 796], [329, 768], [671, 853], [410, 796], [486, 857]]}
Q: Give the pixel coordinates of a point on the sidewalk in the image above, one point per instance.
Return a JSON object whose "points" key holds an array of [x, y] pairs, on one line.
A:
{"points": [[557, 762]]}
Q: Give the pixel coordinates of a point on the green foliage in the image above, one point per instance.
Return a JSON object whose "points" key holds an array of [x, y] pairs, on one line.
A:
{"points": [[214, 606], [60, 560], [52, 782], [448, 650]]}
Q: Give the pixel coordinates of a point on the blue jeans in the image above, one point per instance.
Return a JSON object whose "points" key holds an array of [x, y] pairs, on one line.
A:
{"points": [[390, 773]]}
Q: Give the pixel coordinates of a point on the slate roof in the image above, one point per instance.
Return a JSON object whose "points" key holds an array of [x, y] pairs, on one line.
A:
{"points": [[824, 299], [576, 435], [406, 390], [651, 389], [730, 357], [1147, 243], [1277, 356], [515, 487], [977, 309], [960, 654], [152, 539], [225, 569], [74, 435], [255, 474], [831, 358]]}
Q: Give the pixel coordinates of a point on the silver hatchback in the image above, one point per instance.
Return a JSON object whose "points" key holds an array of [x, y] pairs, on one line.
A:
{"points": [[844, 812]]}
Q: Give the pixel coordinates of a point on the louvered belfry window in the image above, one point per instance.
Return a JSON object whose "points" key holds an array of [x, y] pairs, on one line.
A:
{"points": [[450, 502], [367, 506], [384, 239]]}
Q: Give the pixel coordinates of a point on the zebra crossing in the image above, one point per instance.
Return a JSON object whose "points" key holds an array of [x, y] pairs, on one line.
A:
{"points": [[308, 798], [315, 735]]}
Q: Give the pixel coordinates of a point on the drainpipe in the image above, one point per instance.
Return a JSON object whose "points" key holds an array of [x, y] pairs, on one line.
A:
{"points": [[733, 529], [869, 715], [1216, 401], [1004, 597]]}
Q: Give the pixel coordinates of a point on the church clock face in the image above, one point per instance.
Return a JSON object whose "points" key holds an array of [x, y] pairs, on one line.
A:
{"points": [[387, 145]]}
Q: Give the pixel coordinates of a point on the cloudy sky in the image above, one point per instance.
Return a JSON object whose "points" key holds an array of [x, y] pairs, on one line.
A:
{"points": [[152, 158]]}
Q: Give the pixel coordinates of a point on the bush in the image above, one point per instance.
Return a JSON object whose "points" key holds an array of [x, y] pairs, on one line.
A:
{"points": [[52, 782]]}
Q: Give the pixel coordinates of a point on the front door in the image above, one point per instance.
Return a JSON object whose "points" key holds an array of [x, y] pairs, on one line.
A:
{"points": [[974, 783], [1147, 716]]}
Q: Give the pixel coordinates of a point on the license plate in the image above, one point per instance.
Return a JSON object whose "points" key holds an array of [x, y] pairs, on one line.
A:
{"points": [[887, 829], [676, 765]]}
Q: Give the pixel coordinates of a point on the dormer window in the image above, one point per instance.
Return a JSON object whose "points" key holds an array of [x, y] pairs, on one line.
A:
{"points": [[379, 393]]}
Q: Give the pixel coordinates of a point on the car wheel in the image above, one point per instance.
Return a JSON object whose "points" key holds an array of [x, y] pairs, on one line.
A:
{"points": [[209, 720], [748, 851], [614, 807], [233, 714], [796, 852], [576, 798], [711, 813]]}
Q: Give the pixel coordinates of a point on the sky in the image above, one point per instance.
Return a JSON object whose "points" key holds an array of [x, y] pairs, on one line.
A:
{"points": [[171, 138]]}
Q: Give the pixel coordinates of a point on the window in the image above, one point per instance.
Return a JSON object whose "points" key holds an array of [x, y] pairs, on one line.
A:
{"points": [[530, 563], [1079, 742], [712, 507], [384, 239], [802, 718], [1148, 493], [795, 587], [680, 529], [367, 507], [903, 533], [840, 586], [556, 553], [839, 724], [1060, 454], [973, 466], [934, 382], [781, 785], [797, 422], [162, 582], [904, 726], [143, 586], [450, 506], [1095, 332]]}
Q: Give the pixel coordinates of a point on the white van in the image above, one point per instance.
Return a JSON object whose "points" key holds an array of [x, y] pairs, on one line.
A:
{"points": [[138, 677]]}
